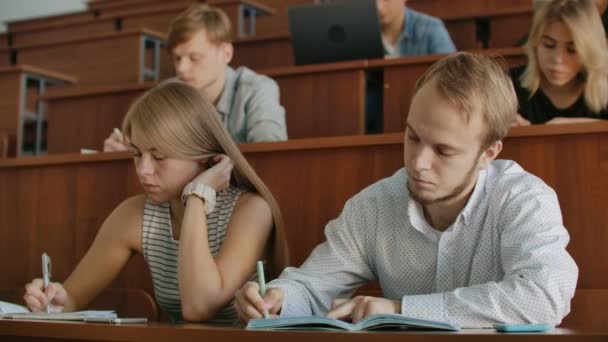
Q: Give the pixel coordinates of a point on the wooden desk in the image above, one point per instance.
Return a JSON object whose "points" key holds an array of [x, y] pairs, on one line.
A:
{"points": [[67, 197], [4, 40], [68, 331], [158, 14], [83, 117], [441, 8], [401, 74], [131, 56], [22, 25], [322, 100], [57, 32], [262, 52], [21, 113]]}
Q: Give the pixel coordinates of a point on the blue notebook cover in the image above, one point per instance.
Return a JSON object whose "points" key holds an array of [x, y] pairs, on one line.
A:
{"points": [[374, 322]]}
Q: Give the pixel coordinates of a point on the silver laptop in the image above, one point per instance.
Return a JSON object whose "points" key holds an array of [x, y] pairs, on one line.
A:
{"points": [[339, 31]]}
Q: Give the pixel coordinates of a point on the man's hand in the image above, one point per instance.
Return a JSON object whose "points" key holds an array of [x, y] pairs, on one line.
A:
{"points": [[249, 303], [362, 306]]}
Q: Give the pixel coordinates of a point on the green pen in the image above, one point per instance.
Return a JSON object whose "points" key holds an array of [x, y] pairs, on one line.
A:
{"points": [[262, 283]]}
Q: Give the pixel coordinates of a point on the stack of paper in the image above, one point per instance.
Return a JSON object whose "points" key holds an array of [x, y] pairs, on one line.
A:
{"points": [[14, 311]]}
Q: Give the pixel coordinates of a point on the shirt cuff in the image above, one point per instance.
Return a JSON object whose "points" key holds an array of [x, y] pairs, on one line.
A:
{"points": [[429, 307], [293, 305]]}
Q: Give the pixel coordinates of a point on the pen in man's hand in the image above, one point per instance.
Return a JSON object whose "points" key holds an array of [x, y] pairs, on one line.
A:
{"points": [[262, 283]]}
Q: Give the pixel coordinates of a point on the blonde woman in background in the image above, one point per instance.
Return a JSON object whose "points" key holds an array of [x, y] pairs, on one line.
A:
{"points": [[204, 219], [566, 79]]}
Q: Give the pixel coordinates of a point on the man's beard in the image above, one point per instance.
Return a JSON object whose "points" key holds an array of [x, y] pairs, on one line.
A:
{"points": [[455, 193]]}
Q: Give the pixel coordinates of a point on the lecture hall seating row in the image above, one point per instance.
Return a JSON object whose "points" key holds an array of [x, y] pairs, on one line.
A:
{"points": [[155, 16], [320, 100], [68, 196]]}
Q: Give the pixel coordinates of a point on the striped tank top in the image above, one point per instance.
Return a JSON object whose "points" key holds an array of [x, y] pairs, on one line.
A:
{"points": [[161, 251]]}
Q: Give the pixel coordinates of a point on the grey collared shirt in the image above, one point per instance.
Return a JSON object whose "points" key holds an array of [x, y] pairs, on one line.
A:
{"points": [[250, 108], [504, 258], [422, 35]]}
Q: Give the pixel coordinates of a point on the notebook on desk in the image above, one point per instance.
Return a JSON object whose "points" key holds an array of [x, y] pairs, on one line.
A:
{"points": [[374, 322], [14, 311]]}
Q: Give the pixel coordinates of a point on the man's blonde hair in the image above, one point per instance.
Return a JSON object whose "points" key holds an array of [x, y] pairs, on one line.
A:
{"points": [[584, 22], [179, 122], [197, 17], [476, 85]]}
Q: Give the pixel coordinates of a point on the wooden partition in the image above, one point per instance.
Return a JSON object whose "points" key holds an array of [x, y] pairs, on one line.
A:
{"points": [[400, 76], [49, 21], [83, 117], [319, 100], [158, 14], [5, 57], [68, 196], [4, 40], [262, 52], [447, 8], [111, 58], [322, 100], [21, 116], [65, 31]]}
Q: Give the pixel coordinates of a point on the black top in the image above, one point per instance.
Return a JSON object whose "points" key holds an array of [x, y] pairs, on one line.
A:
{"points": [[539, 109]]}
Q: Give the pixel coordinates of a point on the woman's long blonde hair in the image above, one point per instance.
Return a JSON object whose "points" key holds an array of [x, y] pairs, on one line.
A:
{"points": [[179, 122], [584, 22]]}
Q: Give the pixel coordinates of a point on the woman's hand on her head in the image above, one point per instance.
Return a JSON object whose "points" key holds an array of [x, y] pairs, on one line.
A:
{"points": [[36, 298], [520, 121], [218, 175]]}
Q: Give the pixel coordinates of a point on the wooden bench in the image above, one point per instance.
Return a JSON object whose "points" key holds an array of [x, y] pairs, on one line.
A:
{"points": [[155, 15], [130, 56]]}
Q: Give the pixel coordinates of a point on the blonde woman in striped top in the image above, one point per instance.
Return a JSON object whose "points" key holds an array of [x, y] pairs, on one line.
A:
{"points": [[204, 219]]}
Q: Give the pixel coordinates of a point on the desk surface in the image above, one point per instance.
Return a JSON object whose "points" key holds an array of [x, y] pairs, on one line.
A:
{"points": [[23, 330]]}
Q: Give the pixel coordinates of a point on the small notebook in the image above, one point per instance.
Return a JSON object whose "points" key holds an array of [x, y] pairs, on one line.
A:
{"points": [[14, 311], [374, 322]]}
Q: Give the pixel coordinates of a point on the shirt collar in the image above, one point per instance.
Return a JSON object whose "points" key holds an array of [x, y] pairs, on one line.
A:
{"points": [[225, 102], [408, 28], [416, 213]]}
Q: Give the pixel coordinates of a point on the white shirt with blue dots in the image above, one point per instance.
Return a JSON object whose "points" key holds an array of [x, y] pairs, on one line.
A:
{"points": [[504, 258]]}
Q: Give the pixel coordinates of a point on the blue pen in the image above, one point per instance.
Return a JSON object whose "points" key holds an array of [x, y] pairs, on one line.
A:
{"points": [[262, 283], [46, 276]]}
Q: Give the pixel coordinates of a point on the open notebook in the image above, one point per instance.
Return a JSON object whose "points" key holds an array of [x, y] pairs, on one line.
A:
{"points": [[374, 322], [14, 311]]}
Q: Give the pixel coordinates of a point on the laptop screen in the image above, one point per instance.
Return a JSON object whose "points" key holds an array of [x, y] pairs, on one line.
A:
{"points": [[331, 32]]}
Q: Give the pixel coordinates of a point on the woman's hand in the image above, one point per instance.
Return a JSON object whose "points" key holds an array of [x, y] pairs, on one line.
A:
{"points": [[37, 298], [218, 175]]}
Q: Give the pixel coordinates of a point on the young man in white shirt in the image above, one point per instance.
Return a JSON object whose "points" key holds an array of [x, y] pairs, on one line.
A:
{"points": [[454, 236]]}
